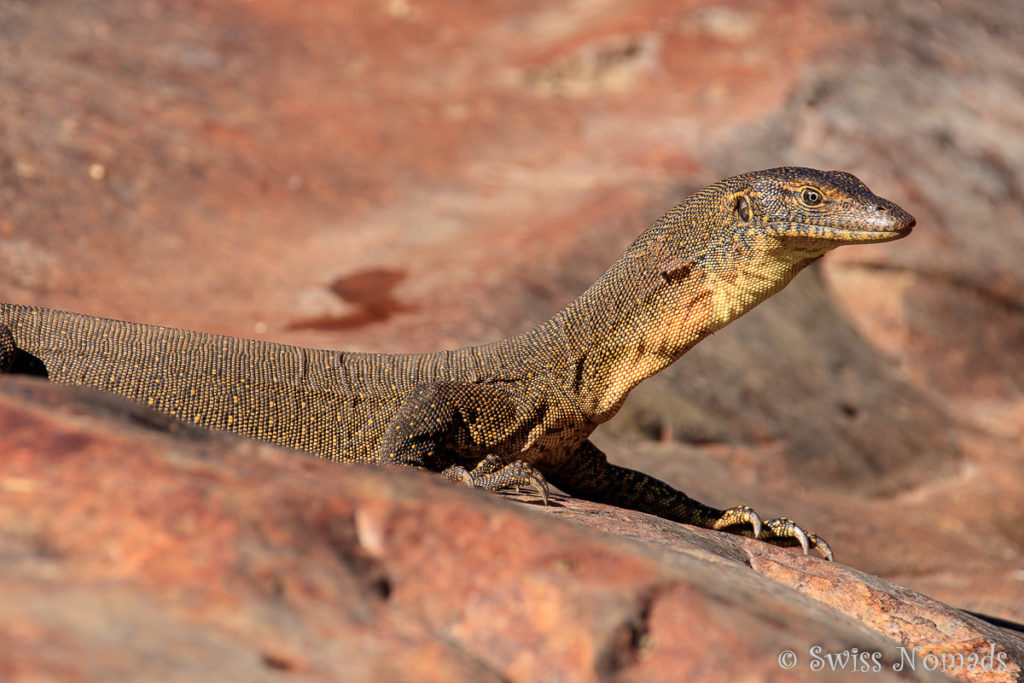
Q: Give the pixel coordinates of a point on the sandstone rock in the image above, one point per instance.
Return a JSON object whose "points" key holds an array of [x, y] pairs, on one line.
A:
{"points": [[246, 168]]}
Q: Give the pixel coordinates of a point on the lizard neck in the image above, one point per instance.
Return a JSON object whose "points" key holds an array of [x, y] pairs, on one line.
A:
{"points": [[650, 308]]}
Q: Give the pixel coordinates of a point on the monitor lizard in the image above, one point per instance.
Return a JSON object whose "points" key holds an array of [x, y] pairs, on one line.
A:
{"points": [[515, 412]]}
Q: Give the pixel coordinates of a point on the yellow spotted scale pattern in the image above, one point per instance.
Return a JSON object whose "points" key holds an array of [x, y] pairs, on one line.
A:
{"points": [[514, 412]]}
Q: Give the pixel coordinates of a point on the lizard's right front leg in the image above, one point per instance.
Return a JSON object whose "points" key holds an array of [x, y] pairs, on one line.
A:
{"points": [[442, 424]]}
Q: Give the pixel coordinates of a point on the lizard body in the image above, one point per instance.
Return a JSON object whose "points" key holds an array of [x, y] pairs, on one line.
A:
{"points": [[513, 412]]}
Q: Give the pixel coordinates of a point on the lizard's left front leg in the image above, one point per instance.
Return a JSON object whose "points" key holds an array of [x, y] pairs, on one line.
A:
{"points": [[589, 475], [444, 422]]}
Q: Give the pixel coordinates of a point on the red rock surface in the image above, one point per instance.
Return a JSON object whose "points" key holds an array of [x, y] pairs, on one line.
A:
{"points": [[408, 175]]}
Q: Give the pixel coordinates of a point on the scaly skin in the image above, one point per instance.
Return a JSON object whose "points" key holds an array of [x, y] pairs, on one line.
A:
{"points": [[510, 413]]}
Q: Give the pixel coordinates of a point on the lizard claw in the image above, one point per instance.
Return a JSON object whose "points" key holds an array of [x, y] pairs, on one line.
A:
{"points": [[538, 484], [818, 543], [787, 528], [783, 531], [460, 474], [741, 514]]}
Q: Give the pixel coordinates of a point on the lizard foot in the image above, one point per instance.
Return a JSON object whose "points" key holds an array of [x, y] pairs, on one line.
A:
{"points": [[780, 531], [494, 475]]}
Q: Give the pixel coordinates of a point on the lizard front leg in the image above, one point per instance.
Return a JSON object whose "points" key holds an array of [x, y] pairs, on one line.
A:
{"points": [[589, 475], [442, 424]]}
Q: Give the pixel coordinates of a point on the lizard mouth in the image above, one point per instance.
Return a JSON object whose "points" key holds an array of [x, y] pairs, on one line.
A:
{"points": [[886, 223]]}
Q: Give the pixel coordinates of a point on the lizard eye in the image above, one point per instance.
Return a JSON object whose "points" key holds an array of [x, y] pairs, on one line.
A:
{"points": [[743, 208], [810, 196]]}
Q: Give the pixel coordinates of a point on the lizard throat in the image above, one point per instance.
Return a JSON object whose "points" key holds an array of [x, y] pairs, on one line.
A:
{"points": [[672, 319]]}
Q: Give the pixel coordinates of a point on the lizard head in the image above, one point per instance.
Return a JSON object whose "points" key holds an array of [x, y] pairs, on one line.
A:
{"points": [[746, 237], [808, 206], [791, 214]]}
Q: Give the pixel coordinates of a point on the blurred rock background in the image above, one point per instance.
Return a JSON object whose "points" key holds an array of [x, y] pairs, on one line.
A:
{"points": [[410, 175]]}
